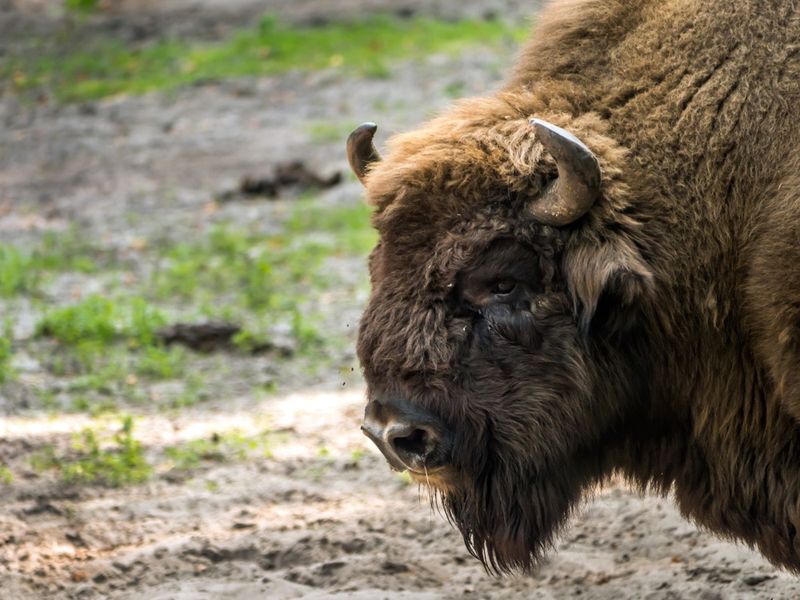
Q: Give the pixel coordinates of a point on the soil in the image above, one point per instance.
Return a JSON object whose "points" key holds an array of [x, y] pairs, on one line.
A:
{"points": [[321, 516]]}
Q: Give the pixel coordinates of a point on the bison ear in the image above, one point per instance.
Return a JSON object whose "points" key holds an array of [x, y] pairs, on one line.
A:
{"points": [[611, 286]]}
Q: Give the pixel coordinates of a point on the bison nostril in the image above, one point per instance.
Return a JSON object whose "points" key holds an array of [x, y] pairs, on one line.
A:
{"points": [[409, 438], [413, 443]]}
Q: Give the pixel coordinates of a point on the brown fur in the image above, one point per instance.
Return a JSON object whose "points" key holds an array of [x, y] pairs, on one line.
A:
{"points": [[662, 339]]}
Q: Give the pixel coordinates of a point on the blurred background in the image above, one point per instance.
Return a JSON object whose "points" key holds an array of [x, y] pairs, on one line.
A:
{"points": [[182, 270]]}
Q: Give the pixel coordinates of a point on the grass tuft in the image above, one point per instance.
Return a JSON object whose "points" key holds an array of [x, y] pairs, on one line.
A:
{"points": [[84, 7], [6, 351], [229, 446], [22, 272], [101, 321], [17, 274], [120, 463]]}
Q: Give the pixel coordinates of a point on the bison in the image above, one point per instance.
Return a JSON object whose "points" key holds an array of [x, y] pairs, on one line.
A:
{"points": [[594, 271]]}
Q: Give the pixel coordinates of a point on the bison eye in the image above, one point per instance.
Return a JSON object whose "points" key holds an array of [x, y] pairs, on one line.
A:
{"points": [[504, 287]]}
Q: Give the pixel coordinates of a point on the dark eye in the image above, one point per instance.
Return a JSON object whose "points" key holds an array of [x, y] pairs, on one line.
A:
{"points": [[504, 287]]}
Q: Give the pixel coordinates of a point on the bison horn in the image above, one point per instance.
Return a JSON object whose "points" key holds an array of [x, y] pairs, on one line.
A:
{"points": [[361, 152], [577, 186]]}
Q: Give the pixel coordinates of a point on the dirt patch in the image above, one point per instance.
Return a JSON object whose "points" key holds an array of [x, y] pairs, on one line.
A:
{"points": [[293, 176]]}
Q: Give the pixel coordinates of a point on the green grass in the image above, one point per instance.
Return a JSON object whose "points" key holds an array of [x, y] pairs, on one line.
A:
{"points": [[68, 251], [6, 372], [101, 370], [106, 67], [110, 343], [6, 476], [98, 320], [17, 274], [221, 447], [269, 277], [93, 405], [348, 227], [104, 347], [161, 363], [320, 132], [22, 272], [115, 460], [226, 260], [236, 273], [121, 462], [81, 6], [456, 89], [194, 391], [6, 352]]}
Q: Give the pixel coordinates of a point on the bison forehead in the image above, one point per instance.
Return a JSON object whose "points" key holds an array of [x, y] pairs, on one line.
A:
{"points": [[461, 160], [419, 256]]}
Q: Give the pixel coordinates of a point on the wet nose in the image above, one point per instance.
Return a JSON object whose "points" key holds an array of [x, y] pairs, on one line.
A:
{"points": [[409, 438]]}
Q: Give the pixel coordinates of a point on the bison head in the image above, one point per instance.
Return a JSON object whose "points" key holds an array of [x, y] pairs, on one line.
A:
{"points": [[506, 290]]}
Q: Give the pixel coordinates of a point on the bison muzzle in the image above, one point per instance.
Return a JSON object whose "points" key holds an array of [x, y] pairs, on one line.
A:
{"points": [[596, 270]]}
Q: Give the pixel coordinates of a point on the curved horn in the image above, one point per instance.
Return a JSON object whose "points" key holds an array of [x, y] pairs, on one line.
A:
{"points": [[572, 194], [361, 151]]}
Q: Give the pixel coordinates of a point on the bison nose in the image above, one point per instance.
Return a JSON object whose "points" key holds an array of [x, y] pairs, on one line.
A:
{"points": [[405, 445], [415, 442]]}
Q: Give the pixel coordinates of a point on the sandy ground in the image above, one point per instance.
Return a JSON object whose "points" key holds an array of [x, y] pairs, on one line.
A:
{"points": [[321, 516], [301, 525]]}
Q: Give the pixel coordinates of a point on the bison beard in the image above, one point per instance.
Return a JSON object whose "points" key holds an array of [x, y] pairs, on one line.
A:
{"points": [[595, 271], [507, 512], [508, 518]]}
